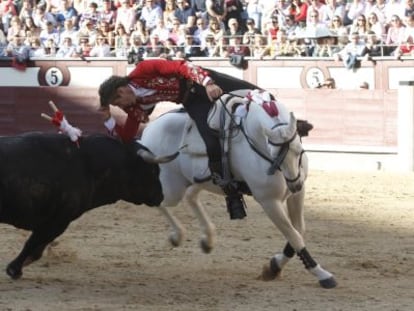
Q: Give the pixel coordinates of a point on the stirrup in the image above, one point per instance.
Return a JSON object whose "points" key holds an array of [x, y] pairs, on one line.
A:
{"points": [[200, 180], [219, 181], [236, 207], [215, 177]]}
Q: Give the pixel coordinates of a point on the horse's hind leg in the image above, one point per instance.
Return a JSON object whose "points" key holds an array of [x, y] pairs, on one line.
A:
{"points": [[174, 187], [207, 227], [176, 237]]}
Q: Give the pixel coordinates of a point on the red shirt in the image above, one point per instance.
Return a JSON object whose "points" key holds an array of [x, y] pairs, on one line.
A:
{"points": [[301, 17], [163, 77], [273, 33]]}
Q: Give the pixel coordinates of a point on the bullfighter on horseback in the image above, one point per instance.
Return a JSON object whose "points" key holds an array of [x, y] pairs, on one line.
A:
{"points": [[178, 81]]}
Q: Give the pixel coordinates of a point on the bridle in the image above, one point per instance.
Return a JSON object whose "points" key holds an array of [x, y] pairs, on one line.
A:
{"points": [[275, 163]]}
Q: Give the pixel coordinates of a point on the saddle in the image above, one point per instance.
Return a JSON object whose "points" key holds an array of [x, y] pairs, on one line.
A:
{"points": [[223, 118], [219, 117], [218, 120]]}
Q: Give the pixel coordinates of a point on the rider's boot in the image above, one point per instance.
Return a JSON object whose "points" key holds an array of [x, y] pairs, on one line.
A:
{"points": [[234, 199], [235, 205]]}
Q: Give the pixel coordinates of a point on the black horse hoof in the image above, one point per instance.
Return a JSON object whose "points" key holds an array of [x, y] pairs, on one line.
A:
{"points": [[175, 240], [272, 271], [328, 283], [205, 247], [13, 273], [274, 267]]}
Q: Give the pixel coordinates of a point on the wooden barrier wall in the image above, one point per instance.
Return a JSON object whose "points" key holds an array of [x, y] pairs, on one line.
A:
{"points": [[345, 119]]}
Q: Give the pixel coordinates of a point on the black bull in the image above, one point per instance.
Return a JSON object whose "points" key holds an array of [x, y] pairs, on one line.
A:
{"points": [[47, 181]]}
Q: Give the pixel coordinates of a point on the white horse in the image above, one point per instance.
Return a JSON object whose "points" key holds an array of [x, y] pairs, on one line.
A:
{"points": [[265, 155]]}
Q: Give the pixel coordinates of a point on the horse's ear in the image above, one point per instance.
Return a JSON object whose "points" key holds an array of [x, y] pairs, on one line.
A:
{"points": [[292, 116], [283, 132], [280, 133], [292, 121]]}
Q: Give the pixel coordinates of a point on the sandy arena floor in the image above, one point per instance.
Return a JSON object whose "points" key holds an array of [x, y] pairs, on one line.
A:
{"points": [[360, 226]]}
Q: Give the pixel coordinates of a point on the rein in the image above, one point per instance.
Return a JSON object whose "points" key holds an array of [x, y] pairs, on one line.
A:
{"points": [[242, 129], [300, 163], [284, 148], [252, 145]]}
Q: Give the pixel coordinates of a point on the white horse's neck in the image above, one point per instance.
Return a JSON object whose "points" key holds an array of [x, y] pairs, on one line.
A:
{"points": [[257, 120]]}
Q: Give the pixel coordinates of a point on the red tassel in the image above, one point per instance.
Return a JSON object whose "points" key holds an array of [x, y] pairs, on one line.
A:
{"points": [[57, 118], [271, 108]]}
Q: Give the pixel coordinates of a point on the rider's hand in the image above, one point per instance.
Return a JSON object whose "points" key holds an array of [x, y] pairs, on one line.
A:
{"points": [[105, 113], [213, 91]]}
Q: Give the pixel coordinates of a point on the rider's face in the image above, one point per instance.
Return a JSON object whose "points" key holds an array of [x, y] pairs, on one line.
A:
{"points": [[125, 97]]}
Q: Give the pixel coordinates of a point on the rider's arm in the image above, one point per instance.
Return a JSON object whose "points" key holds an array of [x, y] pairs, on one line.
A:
{"points": [[127, 131]]}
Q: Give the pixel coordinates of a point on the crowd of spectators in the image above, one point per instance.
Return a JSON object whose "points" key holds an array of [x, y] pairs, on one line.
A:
{"points": [[342, 29]]}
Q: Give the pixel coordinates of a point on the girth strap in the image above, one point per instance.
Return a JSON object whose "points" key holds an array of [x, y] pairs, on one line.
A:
{"points": [[225, 134]]}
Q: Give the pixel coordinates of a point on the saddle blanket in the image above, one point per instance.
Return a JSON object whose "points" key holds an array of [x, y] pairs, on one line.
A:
{"points": [[219, 119]]}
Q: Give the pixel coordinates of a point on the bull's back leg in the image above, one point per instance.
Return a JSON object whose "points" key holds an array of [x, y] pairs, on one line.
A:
{"points": [[34, 247]]}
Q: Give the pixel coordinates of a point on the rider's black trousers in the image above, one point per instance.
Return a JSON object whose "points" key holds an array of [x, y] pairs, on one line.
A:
{"points": [[198, 105]]}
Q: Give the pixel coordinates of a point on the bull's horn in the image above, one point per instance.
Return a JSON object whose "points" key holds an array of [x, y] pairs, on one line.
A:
{"points": [[148, 156]]}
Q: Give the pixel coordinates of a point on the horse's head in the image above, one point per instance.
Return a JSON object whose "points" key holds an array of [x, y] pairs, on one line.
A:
{"points": [[287, 153], [271, 131]]}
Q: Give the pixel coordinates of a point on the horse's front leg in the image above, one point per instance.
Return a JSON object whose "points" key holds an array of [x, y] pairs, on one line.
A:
{"points": [[207, 227], [295, 210], [279, 216]]}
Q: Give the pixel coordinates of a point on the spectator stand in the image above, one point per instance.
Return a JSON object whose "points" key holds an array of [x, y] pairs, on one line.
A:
{"points": [[166, 26]]}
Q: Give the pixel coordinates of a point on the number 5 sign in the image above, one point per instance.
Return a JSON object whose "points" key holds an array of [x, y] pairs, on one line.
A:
{"points": [[53, 76]]}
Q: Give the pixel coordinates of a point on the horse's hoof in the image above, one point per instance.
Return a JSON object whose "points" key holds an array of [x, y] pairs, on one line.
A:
{"points": [[274, 267], [174, 240], [13, 273], [328, 283], [206, 247], [272, 271]]}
